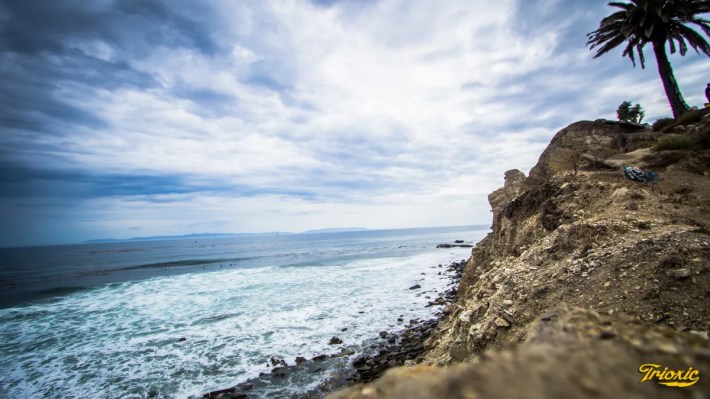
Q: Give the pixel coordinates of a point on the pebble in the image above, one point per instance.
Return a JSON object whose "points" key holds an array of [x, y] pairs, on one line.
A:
{"points": [[501, 322], [680, 274]]}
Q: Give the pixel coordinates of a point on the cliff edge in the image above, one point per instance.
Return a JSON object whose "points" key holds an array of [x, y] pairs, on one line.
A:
{"points": [[585, 278]]}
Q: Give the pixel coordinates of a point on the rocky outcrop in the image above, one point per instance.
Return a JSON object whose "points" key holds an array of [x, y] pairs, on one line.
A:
{"points": [[571, 353], [598, 139], [498, 199], [631, 261], [590, 238]]}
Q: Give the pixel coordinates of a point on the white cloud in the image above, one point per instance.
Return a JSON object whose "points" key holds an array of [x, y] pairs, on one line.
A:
{"points": [[385, 114]]}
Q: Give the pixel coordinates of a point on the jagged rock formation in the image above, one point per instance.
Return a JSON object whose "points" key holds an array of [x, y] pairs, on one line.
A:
{"points": [[577, 232]]}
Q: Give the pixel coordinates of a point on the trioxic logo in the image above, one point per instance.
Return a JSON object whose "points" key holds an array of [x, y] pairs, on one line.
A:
{"points": [[668, 377]]}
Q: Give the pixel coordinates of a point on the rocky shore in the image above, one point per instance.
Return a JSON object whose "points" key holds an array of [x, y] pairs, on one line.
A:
{"points": [[590, 284], [407, 346], [389, 349]]}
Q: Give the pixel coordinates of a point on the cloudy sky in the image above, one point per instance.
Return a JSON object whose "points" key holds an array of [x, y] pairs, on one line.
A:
{"points": [[125, 118]]}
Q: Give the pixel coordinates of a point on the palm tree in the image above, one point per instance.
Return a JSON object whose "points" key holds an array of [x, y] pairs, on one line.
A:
{"points": [[657, 22]]}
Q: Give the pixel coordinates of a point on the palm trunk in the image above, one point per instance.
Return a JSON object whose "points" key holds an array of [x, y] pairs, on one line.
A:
{"points": [[675, 99]]}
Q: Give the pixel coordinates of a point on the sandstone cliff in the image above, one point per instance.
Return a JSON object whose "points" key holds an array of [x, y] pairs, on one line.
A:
{"points": [[585, 276]]}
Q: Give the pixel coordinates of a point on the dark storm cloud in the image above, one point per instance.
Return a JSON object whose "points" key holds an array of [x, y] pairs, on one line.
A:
{"points": [[134, 26], [50, 55], [20, 181], [45, 46]]}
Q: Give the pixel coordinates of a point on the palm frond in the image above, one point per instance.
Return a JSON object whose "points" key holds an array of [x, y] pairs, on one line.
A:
{"points": [[696, 41], [639, 22]]}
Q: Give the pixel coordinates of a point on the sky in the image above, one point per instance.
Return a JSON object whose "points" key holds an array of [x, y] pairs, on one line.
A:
{"points": [[124, 118]]}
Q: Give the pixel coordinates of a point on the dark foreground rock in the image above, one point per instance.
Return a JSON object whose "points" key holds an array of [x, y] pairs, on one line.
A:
{"points": [[454, 245], [571, 353]]}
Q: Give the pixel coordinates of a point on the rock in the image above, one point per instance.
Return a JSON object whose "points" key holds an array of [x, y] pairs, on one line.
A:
{"points": [[344, 352], [507, 316], [245, 386], [275, 361], [498, 199], [280, 371], [680, 274], [182, 339], [359, 361], [597, 139], [454, 245], [383, 334], [500, 322], [562, 358], [221, 391], [335, 341], [300, 360], [320, 358], [458, 241], [415, 286]]}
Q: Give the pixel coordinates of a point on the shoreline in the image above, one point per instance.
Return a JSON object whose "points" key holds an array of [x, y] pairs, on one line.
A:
{"points": [[389, 349]]}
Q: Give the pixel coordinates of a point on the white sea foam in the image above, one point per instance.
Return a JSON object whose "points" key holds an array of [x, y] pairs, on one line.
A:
{"points": [[124, 340]]}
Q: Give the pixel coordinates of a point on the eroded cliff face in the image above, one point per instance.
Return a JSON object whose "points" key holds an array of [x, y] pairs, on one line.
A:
{"points": [[577, 232]]}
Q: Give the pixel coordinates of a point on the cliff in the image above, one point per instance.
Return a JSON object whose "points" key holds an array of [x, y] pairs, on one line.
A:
{"points": [[585, 277]]}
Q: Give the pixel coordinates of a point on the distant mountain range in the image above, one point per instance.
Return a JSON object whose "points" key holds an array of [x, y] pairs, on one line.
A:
{"points": [[178, 237], [335, 230], [216, 235]]}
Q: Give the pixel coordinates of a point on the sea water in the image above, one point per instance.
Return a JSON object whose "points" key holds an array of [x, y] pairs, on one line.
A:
{"points": [[171, 319]]}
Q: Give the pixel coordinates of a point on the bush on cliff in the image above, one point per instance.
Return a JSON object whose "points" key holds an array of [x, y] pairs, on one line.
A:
{"points": [[694, 115], [674, 142], [660, 124]]}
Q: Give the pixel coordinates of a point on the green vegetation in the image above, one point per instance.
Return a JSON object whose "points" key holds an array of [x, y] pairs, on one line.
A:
{"points": [[643, 225], [628, 113], [657, 22], [674, 142], [693, 115], [660, 124]]}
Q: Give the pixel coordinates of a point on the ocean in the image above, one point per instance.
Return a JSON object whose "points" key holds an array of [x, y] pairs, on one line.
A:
{"points": [[178, 318]]}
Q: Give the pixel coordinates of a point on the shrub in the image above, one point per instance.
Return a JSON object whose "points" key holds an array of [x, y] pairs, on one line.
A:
{"points": [[659, 124], [693, 115], [643, 225], [627, 113], [674, 142]]}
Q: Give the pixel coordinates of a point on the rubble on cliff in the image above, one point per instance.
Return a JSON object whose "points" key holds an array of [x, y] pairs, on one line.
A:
{"points": [[575, 231]]}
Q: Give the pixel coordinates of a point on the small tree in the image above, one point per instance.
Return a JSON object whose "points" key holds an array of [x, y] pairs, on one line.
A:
{"points": [[627, 113]]}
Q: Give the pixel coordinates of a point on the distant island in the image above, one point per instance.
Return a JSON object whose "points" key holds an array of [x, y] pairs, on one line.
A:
{"points": [[218, 235], [177, 237], [330, 230], [335, 230]]}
